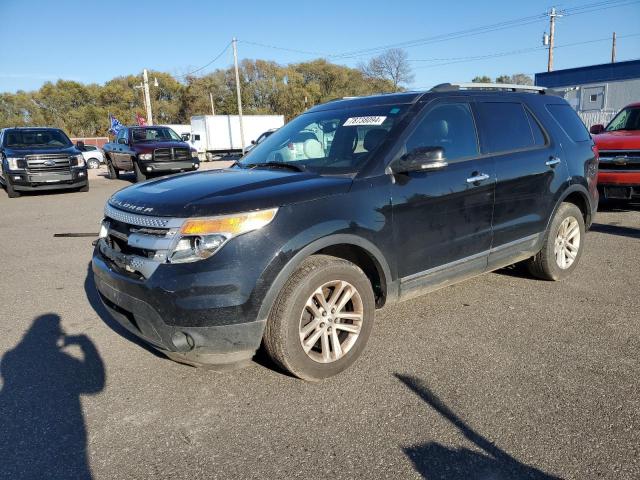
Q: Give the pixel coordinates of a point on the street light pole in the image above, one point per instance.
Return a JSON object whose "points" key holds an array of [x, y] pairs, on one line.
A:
{"points": [[235, 62]]}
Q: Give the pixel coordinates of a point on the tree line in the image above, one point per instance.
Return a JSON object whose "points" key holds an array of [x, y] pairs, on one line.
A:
{"points": [[82, 110], [267, 87]]}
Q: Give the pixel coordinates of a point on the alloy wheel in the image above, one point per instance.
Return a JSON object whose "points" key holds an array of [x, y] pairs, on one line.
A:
{"points": [[567, 243], [331, 321]]}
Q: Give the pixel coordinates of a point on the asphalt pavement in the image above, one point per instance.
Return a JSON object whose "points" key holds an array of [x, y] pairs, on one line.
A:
{"points": [[502, 376]]}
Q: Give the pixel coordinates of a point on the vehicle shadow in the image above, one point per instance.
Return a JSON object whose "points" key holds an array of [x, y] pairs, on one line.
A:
{"points": [[93, 297], [618, 206], [621, 231], [433, 460], [42, 427]]}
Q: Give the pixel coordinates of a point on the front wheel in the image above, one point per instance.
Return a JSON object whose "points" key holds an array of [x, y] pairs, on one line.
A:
{"points": [[140, 176], [11, 192], [321, 321], [114, 173], [93, 163], [562, 247]]}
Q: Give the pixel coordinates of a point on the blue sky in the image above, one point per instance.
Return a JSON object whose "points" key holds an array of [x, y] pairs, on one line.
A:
{"points": [[91, 41]]}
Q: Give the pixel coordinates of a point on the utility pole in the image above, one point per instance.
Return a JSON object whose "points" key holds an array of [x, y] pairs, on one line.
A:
{"points": [[552, 33], [213, 110], [147, 99], [613, 49], [235, 62]]}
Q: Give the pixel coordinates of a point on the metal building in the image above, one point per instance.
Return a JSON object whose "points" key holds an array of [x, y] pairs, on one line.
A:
{"points": [[597, 92]]}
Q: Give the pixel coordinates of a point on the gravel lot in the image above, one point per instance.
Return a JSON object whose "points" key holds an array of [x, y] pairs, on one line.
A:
{"points": [[499, 377]]}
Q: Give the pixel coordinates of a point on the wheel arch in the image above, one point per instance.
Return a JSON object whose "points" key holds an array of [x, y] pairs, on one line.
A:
{"points": [[349, 247], [579, 196]]}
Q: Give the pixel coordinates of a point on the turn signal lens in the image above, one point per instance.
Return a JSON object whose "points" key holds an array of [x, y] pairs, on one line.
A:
{"points": [[229, 224]]}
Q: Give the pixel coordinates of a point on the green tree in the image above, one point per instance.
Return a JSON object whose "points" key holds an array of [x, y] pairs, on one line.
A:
{"points": [[481, 79]]}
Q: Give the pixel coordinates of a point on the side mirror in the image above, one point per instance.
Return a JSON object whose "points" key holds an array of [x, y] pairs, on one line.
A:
{"points": [[420, 159], [80, 145], [596, 129], [253, 142], [122, 141], [186, 136]]}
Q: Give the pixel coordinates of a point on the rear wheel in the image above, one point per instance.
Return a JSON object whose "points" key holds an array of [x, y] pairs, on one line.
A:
{"points": [[140, 176], [322, 318], [563, 245]]}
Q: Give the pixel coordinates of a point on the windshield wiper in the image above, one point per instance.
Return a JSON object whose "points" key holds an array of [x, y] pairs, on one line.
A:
{"points": [[290, 166]]}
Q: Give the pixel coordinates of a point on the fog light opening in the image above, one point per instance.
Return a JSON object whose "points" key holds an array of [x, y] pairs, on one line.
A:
{"points": [[149, 169]]}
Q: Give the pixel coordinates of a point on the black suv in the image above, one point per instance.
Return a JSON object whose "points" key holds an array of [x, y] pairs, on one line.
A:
{"points": [[387, 197], [40, 159]]}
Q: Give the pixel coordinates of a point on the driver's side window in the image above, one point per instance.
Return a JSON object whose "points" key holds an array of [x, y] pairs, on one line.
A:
{"points": [[121, 134], [450, 126]]}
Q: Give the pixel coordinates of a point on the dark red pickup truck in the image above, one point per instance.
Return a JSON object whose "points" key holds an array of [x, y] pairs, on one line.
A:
{"points": [[149, 151], [619, 147]]}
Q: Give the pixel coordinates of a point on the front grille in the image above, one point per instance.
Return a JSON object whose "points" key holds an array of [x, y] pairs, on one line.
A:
{"points": [[171, 154], [617, 160], [55, 163]]}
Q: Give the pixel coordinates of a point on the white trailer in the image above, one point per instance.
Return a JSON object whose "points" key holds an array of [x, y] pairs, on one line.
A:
{"points": [[217, 135]]}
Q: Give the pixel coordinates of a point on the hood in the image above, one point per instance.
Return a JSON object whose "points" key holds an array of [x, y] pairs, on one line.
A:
{"points": [[21, 152], [150, 146], [218, 192], [620, 140]]}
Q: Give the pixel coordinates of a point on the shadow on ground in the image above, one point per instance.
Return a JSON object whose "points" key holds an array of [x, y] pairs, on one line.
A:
{"points": [[42, 428], [435, 461], [618, 230]]}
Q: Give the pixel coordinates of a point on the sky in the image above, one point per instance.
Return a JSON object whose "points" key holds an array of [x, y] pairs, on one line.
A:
{"points": [[92, 42]]}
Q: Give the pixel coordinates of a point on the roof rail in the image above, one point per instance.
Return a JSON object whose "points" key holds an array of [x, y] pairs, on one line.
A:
{"points": [[447, 87]]}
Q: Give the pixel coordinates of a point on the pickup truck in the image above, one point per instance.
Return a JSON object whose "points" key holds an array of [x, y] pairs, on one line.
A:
{"points": [[619, 147], [148, 151]]}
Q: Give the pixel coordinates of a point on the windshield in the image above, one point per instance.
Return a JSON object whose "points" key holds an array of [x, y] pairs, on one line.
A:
{"points": [[36, 139], [627, 119], [159, 134], [332, 142]]}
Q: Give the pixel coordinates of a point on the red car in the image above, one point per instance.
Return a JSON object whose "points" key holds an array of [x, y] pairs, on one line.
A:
{"points": [[619, 146]]}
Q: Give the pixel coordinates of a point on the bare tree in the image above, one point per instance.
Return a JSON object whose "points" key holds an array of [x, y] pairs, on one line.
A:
{"points": [[392, 65], [516, 78]]}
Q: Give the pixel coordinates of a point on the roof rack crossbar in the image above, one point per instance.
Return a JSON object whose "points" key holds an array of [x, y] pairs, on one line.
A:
{"points": [[444, 87]]}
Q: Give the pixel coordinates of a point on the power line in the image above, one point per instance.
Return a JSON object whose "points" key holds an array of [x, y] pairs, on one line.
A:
{"points": [[454, 60], [208, 64]]}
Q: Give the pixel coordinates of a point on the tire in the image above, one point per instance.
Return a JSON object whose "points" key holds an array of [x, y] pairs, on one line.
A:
{"points": [[546, 264], [11, 192], [140, 176], [93, 163], [291, 312], [113, 171]]}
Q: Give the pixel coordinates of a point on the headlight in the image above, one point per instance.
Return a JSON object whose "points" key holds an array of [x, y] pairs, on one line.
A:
{"points": [[202, 237], [77, 161], [145, 156], [16, 163]]}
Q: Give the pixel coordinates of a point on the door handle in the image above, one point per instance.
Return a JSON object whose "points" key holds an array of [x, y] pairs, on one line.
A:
{"points": [[478, 178], [552, 162]]}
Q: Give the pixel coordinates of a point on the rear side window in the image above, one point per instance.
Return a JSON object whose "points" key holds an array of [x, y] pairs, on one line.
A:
{"points": [[570, 122], [504, 127]]}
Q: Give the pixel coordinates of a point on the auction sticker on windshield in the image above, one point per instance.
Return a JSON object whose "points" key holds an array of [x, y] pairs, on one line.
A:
{"points": [[371, 120]]}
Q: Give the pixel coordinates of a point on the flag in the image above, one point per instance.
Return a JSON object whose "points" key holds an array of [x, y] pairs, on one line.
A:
{"points": [[141, 120], [116, 126]]}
